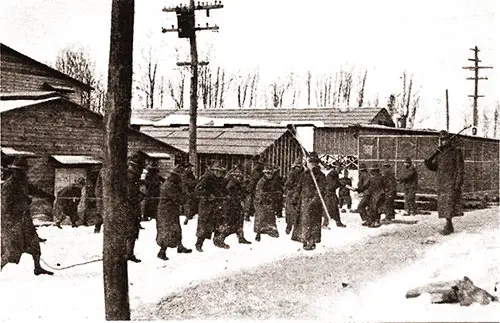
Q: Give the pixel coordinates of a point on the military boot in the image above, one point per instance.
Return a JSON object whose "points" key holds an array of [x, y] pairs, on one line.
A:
{"points": [[182, 249], [162, 254]]}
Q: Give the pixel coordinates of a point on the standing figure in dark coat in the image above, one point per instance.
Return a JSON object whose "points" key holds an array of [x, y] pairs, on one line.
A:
{"points": [[98, 202], [265, 216], [18, 234], [277, 193], [152, 183], [345, 192], [390, 184], [292, 194], [255, 176], [377, 195], [233, 217], [136, 165], [331, 200], [211, 191], [189, 182], [168, 225], [363, 185], [448, 163], [409, 178], [66, 203], [307, 228]]}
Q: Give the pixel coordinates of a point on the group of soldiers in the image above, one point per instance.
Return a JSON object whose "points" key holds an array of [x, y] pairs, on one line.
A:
{"points": [[223, 201]]}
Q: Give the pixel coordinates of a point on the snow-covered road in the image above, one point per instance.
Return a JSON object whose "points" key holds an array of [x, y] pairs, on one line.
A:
{"points": [[78, 293]]}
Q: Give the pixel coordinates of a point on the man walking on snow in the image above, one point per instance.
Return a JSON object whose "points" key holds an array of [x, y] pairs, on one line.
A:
{"points": [[448, 163], [168, 225], [307, 228], [409, 178], [66, 204], [211, 191], [18, 233]]}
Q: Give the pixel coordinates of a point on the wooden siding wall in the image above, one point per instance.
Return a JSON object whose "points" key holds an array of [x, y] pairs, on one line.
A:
{"points": [[56, 128], [20, 75], [335, 141], [283, 152]]}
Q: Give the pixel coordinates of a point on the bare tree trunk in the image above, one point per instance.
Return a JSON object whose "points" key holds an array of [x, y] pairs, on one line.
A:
{"points": [[362, 90], [308, 88], [117, 120]]}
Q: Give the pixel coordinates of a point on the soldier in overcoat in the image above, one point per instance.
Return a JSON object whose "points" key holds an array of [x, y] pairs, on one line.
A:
{"points": [[278, 193], [448, 163], [265, 216], [292, 194], [18, 234], [189, 182], [390, 184], [211, 192], [233, 217], [254, 178], [377, 195], [344, 191], [168, 226], [363, 185], [66, 203], [331, 199], [152, 184], [409, 179], [135, 196], [307, 228]]}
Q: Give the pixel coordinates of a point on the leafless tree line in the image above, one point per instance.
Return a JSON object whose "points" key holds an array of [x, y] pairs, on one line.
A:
{"points": [[77, 63]]}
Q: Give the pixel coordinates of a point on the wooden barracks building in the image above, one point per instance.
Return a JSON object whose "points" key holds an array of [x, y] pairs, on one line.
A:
{"points": [[42, 118]]}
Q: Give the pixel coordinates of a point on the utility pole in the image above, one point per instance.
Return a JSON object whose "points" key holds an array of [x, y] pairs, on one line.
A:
{"points": [[186, 28], [116, 123], [476, 79], [447, 112]]}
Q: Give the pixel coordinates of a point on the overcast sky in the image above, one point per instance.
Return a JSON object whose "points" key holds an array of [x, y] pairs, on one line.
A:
{"points": [[430, 39]]}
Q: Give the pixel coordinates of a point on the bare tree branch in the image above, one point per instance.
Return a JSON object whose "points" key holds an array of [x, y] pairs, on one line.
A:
{"points": [[77, 63]]}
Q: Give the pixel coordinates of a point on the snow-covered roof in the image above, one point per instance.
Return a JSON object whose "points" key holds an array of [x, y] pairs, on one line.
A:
{"points": [[76, 159], [9, 105], [9, 151], [331, 117], [235, 140]]}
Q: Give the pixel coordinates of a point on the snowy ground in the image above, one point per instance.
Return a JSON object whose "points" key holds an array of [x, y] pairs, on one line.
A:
{"points": [[79, 291], [470, 252]]}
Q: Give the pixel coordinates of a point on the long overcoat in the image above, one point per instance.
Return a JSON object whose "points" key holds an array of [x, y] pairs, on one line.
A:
{"points": [[168, 227], [390, 185], [211, 192], [67, 200], [233, 216], [331, 200], [376, 191], [265, 216], [307, 226], [191, 204], [134, 198], [152, 183], [254, 178], [292, 195], [18, 234], [449, 165]]}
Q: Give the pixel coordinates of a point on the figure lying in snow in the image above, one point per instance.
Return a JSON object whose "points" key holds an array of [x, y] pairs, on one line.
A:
{"points": [[455, 291]]}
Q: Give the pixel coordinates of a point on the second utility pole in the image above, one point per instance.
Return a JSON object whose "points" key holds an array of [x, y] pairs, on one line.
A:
{"points": [[476, 78], [186, 29]]}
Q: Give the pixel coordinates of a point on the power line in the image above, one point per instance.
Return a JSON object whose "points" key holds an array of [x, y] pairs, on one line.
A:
{"points": [[476, 79], [187, 28]]}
